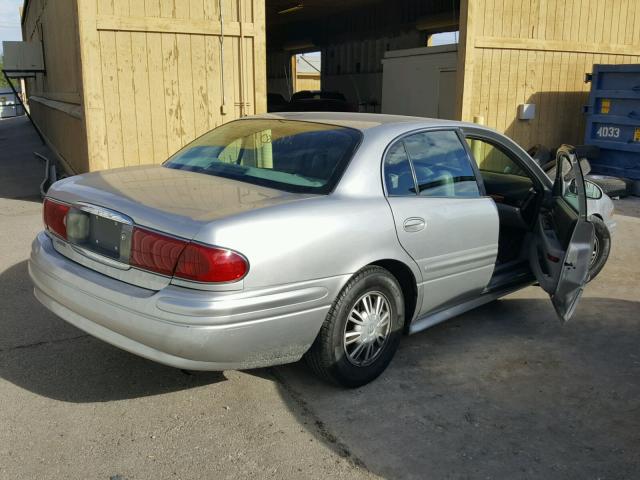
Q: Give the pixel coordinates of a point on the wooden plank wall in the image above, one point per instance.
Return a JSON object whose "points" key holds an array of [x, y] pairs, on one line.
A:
{"points": [[55, 98], [538, 51], [55, 25], [307, 81], [153, 76]]}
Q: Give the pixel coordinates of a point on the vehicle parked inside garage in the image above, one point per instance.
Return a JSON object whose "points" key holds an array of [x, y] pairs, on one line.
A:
{"points": [[276, 103], [326, 235], [319, 101]]}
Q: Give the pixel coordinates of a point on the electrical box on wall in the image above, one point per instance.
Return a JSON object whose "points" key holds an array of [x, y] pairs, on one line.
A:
{"points": [[23, 57], [526, 111]]}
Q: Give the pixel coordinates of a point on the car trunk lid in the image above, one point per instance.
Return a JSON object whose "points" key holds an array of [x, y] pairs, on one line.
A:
{"points": [[174, 202]]}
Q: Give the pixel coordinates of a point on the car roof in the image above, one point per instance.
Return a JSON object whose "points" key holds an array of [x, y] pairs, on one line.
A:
{"points": [[365, 121]]}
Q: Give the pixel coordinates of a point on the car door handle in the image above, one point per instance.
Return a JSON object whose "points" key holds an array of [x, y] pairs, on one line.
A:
{"points": [[414, 224]]}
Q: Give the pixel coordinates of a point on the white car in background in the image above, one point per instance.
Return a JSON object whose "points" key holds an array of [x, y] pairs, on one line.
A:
{"points": [[599, 205], [600, 210]]}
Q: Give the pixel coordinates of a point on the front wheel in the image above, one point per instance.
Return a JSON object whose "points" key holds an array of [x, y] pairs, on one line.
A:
{"points": [[601, 247], [362, 330]]}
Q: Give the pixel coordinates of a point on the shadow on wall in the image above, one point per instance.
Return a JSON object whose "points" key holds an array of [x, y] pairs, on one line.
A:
{"points": [[559, 119], [66, 132], [504, 391], [501, 392]]}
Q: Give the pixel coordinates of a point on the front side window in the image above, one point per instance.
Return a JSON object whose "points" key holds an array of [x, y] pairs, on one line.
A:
{"points": [[494, 160], [441, 164], [289, 155]]}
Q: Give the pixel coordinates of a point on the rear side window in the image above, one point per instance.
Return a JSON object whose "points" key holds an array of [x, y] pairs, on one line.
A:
{"points": [[441, 165], [397, 172], [289, 155]]}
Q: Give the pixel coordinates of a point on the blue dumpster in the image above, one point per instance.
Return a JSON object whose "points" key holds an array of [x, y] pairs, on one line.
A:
{"points": [[613, 120]]}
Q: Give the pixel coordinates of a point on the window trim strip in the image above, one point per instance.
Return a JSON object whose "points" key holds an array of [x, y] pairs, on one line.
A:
{"points": [[400, 138]]}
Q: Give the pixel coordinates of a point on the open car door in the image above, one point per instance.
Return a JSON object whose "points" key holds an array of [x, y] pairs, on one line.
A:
{"points": [[563, 241]]}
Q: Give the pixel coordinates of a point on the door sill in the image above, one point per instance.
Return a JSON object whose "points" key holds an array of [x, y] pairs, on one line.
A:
{"points": [[431, 319], [516, 272]]}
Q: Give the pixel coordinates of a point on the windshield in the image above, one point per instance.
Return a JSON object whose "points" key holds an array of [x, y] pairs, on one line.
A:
{"points": [[289, 155]]}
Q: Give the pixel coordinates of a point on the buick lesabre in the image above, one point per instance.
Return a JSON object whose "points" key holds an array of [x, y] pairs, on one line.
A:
{"points": [[323, 235]]}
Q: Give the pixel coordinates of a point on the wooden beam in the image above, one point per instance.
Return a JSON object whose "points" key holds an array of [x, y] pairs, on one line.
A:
{"points": [[294, 74], [441, 22], [65, 97], [172, 25], [507, 43], [260, 55], [466, 53], [93, 99], [70, 109]]}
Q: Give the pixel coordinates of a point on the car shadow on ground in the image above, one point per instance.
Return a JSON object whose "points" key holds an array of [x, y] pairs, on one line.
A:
{"points": [[504, 391], [501, 392], [43, 354]]}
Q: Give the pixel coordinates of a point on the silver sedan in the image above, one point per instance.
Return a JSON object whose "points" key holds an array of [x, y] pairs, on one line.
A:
{"points": [[322, 235]]}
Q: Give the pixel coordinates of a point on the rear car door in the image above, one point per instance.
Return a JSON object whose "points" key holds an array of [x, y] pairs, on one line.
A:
{"points": [[563, 241], [443, 220]]}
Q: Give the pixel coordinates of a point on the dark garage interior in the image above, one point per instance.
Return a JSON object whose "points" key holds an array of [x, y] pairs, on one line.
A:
{"points": [[352, 44]]}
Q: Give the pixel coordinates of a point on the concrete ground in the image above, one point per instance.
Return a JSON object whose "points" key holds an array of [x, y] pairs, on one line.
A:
{"points": [[502, 392]]}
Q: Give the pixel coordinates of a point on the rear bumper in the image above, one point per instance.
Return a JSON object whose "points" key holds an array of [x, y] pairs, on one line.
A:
{"points": [[184, 328]]}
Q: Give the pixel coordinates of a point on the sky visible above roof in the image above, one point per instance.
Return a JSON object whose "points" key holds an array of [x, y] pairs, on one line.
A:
{"points": [[10, 21], [308, 62]]}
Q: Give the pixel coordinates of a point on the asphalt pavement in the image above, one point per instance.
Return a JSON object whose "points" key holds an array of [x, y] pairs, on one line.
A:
{"points": [[505, 391]]}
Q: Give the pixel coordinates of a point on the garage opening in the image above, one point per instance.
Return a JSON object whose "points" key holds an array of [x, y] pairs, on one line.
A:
{"points": [[444, 38], [307, 75], [375, 56]]}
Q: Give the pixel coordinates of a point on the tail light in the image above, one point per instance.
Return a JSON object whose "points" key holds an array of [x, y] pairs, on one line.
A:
{"points": [[185, 260], [54, 216], [155, 252], [210, 264]]}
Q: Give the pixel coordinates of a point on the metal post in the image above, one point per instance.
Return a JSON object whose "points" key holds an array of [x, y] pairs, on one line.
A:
{"points": [[477, 146], [26, 112]]}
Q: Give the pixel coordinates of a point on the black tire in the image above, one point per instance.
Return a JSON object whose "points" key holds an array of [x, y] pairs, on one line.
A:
{"points": [[327, 357], [601, 248], [612, 186]]}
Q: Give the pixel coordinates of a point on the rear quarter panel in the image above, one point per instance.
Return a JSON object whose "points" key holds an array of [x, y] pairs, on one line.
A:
{"points": [[316, 238]]}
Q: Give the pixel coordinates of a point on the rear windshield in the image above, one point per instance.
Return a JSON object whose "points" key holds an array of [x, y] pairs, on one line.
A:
{"points": [[294, 156]]}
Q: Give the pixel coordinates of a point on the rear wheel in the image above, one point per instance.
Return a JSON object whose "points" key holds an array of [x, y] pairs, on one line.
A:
{"points": [[362, 330]]}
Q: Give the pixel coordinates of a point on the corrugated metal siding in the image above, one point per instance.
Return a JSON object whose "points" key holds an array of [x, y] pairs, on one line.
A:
{"points": [[353, 44], [355, 68], [538, 52]]}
